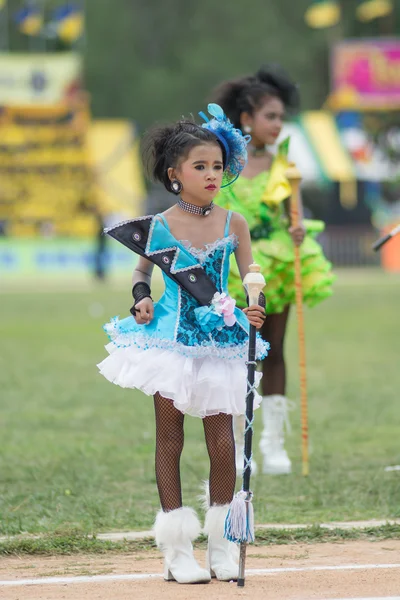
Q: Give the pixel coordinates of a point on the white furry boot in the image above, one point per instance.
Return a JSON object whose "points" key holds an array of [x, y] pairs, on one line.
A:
{"points": [[174, 532], [222, 555], [275, 410], [238, 428]]}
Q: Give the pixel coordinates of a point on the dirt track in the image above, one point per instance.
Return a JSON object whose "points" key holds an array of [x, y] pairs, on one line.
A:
{"points": [[301, 585]]}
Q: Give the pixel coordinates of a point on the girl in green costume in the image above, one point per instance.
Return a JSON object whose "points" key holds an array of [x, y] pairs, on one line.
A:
{"points": [[257, 105]]}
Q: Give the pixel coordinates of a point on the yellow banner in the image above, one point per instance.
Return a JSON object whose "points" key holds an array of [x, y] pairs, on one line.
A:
{"points": [[39, 79], [115, 160], [61, 176]]}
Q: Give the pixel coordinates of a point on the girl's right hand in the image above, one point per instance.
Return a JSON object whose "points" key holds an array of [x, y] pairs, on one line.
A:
{"points": [[144, 311], [255, 315]]}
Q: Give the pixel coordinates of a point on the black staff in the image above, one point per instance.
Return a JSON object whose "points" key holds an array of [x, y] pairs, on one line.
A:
{"points": [[382, 241], [240, 520]]}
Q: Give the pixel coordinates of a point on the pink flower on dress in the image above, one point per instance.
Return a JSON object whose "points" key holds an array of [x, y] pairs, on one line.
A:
{"points": [[224, 305]]}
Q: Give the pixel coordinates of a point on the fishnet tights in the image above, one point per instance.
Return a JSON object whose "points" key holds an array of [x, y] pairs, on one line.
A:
{"points": [[218, 430], [169, 444]]}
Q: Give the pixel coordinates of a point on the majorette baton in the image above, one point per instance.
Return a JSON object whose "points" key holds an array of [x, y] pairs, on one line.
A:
{"points": [[294, 176], [239, 525], [382, 241]]}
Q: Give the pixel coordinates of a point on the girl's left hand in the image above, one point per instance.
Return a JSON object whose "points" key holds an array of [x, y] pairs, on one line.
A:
{"points": [[298, 234], [255, 315]]}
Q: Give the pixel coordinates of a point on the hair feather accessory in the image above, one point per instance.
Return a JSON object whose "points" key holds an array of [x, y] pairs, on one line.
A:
{"points": [[232, 140]]}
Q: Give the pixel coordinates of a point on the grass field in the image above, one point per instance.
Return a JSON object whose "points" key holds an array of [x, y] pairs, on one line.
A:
{"points": [[77, 452]]}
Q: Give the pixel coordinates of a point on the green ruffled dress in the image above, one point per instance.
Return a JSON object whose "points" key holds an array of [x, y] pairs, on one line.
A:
{"points": [[260, 201]]}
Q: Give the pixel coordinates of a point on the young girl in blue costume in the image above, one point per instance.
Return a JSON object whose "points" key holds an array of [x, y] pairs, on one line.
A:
{"points": [[191, 358]]}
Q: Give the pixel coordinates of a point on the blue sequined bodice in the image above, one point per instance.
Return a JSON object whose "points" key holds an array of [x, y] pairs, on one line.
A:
{"points": [[215, 261], [174, 326]]}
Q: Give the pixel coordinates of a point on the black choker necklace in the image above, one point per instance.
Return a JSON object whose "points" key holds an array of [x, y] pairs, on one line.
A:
{"points": [[193, 209]]}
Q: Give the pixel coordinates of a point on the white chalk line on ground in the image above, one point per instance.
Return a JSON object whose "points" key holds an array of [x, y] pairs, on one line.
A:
{"points": [[117, 536], [143, 576], [137, 535]]}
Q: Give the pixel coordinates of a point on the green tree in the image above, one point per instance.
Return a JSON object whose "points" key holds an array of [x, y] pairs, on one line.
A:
{"points": [[149, 60]]}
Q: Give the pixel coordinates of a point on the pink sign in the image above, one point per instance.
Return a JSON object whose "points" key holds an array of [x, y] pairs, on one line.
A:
{"points": [[366, 73]]}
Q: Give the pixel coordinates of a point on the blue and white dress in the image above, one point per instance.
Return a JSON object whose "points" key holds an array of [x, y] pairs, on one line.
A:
{"points": [[199, 365]]}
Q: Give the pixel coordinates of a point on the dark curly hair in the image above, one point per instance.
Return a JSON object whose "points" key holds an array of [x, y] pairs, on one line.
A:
{"points": [[164, 147], [247, 94]]}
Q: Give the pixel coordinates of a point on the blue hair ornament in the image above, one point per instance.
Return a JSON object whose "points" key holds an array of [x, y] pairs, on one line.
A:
{"points": [[231, 139]]}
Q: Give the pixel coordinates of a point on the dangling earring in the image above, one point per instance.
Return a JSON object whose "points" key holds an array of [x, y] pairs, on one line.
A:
{"points": [[176, 186], [247, 129]]}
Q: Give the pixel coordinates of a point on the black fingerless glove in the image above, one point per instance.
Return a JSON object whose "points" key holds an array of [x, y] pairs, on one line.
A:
{"points": [[140, 291]]}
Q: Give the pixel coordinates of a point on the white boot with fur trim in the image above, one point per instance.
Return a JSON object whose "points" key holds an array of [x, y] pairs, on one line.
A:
{"points": [[222, 555], [275, 409], [174, 532]]}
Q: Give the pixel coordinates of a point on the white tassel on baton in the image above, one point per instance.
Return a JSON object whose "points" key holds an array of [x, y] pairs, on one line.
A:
{"points": [[239, 523]]}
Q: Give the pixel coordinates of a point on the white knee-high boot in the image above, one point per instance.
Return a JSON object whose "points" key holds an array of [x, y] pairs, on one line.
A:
{"points": [[174, 532], [222, 555], [238, 428], [275, 410]]}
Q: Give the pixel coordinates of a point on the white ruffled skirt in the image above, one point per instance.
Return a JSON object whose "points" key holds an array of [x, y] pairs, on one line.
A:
{"points": [[197, 386]]}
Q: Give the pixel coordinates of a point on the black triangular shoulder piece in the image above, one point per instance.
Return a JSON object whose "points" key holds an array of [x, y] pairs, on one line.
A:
{"points": [[134, 235]]}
